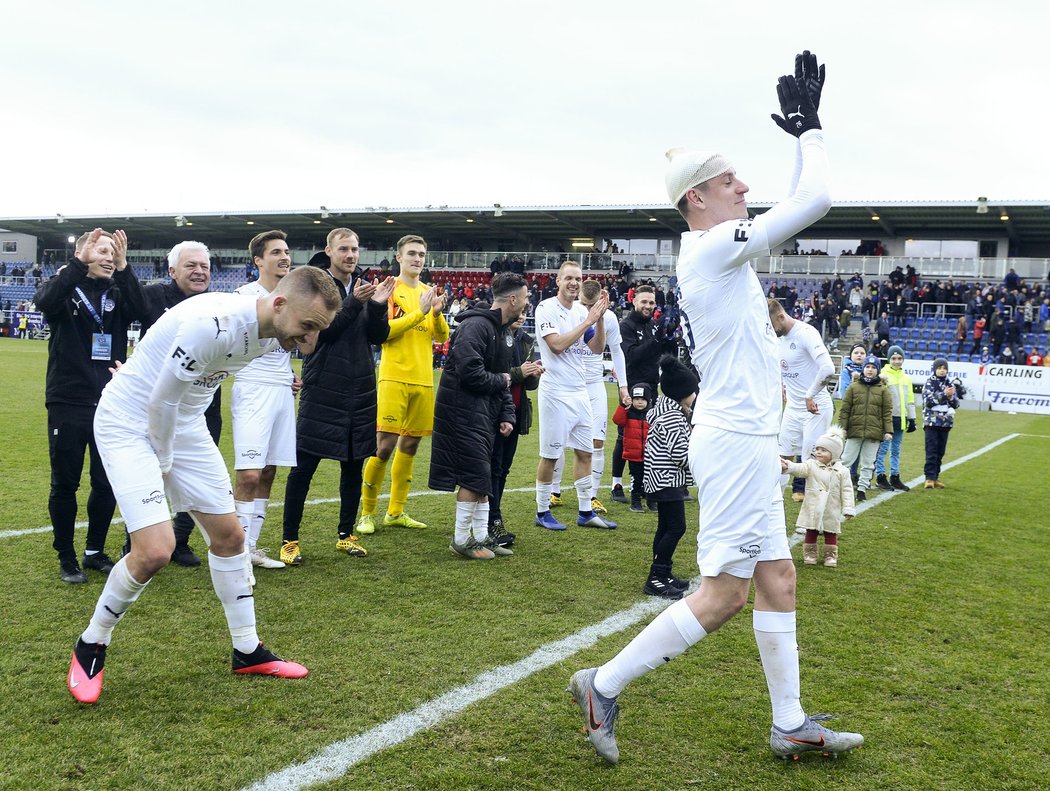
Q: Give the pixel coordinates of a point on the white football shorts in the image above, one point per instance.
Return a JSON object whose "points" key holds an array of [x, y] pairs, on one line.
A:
{"points": [[263, 426], [565, 422]]}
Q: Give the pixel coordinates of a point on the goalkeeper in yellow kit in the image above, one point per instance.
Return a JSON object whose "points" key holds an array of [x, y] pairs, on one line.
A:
{"points": [[405, 409]]}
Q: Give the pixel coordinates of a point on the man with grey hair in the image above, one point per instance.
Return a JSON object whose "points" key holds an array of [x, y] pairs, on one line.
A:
{"points": [[733, 446], [189, 266]]}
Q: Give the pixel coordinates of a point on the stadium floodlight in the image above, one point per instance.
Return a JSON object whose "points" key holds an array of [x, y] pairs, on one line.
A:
{"points": [[982, 205], [875, 217], [71, 240], [1003, 215]]}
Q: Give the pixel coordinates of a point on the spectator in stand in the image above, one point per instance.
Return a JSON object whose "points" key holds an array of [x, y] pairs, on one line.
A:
{"points": [[960, 334], [1035, 358], [1007, 357], [986, 356], [978, 332], [939, 403], [1012, 281], [1044, 315], [997, 333], [882, 331]]}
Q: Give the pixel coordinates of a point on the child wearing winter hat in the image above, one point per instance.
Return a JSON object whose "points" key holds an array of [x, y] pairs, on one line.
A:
{"points": [[851, 368], [635, 429], [667, 471], [829, 497], [899, 384], [866, 415], [939, 402]]}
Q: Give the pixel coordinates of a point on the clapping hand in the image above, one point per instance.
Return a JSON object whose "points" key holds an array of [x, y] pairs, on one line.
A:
{"points": [[120, 250], [809, 74], [798, 113], [439, 300], [363, 290], [384, 290], [597, 311]]}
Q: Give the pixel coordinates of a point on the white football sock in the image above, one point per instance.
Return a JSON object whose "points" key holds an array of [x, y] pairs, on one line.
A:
{"points": [[464, 521], [617, 481], [230, 578], [597, 468], [119, 593], [245, 510], [669, 634], [543, 497], [583, 493], [481, 521], [775, 635], [258, 518], [559, 467]]}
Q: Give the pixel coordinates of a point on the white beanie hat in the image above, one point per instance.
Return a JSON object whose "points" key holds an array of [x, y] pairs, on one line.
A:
{"points": [[689, 168], [832, 441]]}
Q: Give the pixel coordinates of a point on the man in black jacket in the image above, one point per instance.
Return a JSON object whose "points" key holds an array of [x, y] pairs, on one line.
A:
{"points": [[189, 265], [473, 403], [642, 350], [337, 405], [89, 305]]}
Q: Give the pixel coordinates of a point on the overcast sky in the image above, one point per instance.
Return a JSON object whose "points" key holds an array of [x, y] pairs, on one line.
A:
{"points": [[179, 107]]}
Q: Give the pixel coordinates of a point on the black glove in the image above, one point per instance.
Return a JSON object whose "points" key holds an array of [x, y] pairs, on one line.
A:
{"points": [[911, 425], [799, 114], [809, 74]]}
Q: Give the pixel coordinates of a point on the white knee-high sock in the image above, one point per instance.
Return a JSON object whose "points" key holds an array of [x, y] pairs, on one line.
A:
{"points": [[597, 468], [258, 518], [583, 493], [464, 521], [230, 578], [669, 634], [559, 467], [543, 497], [245, 510], [119, 593], [775, 635], [481, 521]]}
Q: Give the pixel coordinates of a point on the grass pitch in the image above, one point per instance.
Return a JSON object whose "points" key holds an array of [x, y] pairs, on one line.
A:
{"points": [[930, 638]]}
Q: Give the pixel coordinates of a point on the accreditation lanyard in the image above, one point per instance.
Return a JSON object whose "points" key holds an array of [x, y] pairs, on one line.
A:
{"points": [[101, 341]]}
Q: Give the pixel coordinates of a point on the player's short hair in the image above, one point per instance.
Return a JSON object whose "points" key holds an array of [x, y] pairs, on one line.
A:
{"points": [[337, 233], [83, 238], [176, 252], [590, 290], [308, 282], [257, 246], [410, 239], [775, 308], [506, 283], [568, 262], [645, 288]]}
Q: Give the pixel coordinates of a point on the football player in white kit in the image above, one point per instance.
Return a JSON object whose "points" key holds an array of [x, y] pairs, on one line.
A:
{"points": [[733, 447], [263, 407], [804, 366], [154, 441], [566, 332], [595, 365]]}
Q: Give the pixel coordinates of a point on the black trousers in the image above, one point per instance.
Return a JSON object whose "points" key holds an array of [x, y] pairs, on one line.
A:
{"points": [[936, 444], [70, 431], [618, 461], [637, 478], [670, 527], [298, 486], [503, 450]]}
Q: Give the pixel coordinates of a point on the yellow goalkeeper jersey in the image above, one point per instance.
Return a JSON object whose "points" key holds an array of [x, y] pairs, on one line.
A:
{"points": [[408, 350]]}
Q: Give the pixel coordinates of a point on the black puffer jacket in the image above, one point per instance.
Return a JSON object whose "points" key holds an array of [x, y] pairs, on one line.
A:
{"points": [[337, 405], [472, 400], [72, 376]]}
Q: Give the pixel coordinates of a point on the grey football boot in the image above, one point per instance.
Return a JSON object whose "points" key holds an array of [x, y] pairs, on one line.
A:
{"points": [[599, 717], [811, 736]]}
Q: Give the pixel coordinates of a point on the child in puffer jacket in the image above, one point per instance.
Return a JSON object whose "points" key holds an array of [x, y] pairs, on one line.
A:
{"points": [[866, 414], [829, 497], [939, 403], [635, 430]]}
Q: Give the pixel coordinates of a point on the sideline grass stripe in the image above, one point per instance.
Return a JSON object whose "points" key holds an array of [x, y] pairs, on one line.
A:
{"points": [[120, 520], [337, 758]]}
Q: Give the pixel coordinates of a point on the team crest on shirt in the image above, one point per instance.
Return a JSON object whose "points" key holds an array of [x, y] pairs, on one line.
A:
{"points": [[792, 347], [108, 305]]}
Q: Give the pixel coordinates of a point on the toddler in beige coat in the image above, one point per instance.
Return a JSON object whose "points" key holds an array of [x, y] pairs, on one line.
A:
{"points": [[829, 497]]}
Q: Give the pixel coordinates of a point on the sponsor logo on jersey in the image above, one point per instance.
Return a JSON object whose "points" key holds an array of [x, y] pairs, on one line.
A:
{"points": [[751, 550], [154, 497], [219, 329], [251, 454], [389, 419], [211, 381]]}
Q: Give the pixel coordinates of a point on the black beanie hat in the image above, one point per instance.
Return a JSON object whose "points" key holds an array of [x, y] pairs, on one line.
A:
{"points": [[676, 379]]}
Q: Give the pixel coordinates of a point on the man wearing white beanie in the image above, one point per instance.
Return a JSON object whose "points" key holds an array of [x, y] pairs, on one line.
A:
{"points": [[733, 447]]}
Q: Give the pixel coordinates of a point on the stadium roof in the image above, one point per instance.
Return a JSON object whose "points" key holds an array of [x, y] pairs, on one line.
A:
{"points": [[533, 227]]}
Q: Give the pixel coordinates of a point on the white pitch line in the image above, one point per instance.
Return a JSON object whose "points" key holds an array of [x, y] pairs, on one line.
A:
{"points": [[120, 520], [338, 758]]}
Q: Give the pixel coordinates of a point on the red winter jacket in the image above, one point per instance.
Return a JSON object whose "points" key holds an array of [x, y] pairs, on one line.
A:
{"points": [[635, 432]]}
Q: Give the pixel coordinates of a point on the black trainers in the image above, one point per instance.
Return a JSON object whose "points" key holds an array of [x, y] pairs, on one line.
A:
{"points": [[882, 483], [100, 561], [898, 484], [654, 586], [652, 505], [617, 494], [499, 533], [636, 505], [677, 584], [69, 570], [185, 556], [861, 497]]}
